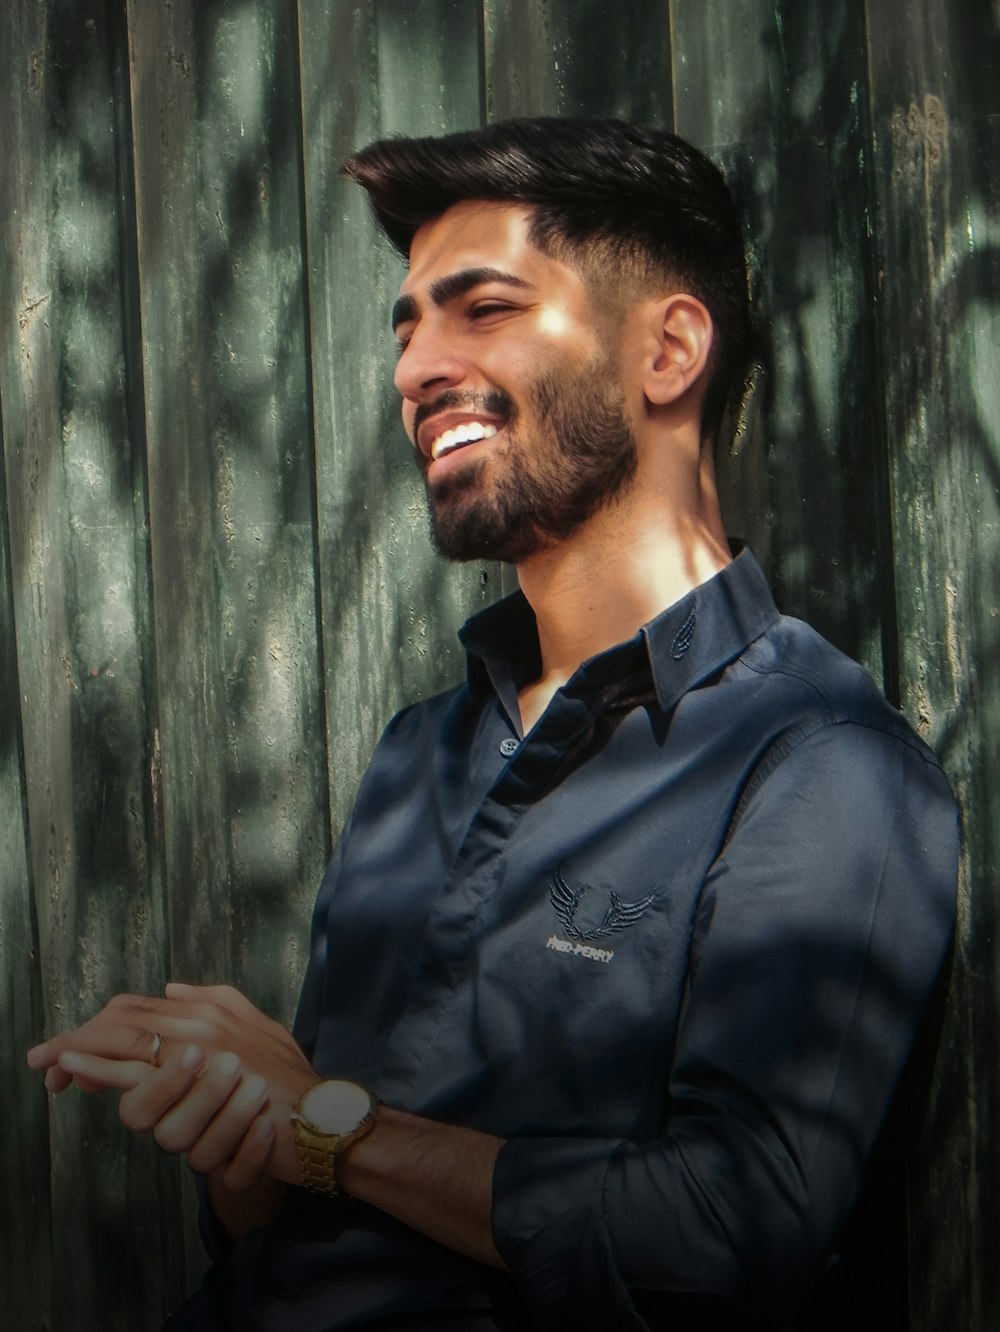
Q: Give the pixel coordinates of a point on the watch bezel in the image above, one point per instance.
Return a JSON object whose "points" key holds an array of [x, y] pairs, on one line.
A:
{"points": [[340, 1130]]}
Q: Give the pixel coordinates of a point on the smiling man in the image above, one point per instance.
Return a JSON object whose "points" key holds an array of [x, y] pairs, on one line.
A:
{"points": [[626, 946]]}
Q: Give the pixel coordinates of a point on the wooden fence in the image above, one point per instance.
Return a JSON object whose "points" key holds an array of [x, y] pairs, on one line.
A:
{"points": [[215, 584]]}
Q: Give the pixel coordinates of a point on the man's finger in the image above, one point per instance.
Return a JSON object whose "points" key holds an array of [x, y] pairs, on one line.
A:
{"points": [[224, 1134], [144, 1105], [56, 1080], [252, 1155], [179, 1126], [109, 1037], [101, 1073]]}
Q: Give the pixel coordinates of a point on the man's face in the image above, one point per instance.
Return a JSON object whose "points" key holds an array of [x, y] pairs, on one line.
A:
{"points": [[515, 409]]}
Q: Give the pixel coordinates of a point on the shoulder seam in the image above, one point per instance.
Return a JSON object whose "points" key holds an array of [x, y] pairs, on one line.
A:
{"points": [[791, 740]]}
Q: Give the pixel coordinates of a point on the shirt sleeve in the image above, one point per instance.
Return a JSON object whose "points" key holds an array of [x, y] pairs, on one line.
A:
{"points": [[310, 1006], [820, 932]]}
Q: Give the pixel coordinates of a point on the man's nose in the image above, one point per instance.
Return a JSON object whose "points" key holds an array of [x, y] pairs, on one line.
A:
{"points": [[427, 364]]}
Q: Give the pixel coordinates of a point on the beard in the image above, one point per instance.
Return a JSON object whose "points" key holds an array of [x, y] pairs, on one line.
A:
{"points": [[517, 501]]}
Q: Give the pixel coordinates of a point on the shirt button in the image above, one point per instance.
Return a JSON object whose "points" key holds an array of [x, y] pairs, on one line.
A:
{"points": [[508, 747]]}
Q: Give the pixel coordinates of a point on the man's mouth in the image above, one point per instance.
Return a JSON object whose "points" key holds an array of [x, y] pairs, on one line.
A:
{"points": [[468, 432]]}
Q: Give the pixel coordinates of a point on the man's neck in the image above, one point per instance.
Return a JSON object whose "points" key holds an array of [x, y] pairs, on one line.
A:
{"points": [[597, 589]]}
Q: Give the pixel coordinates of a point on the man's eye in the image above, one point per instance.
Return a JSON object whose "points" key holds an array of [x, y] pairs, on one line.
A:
{"points": [[486, 308]]}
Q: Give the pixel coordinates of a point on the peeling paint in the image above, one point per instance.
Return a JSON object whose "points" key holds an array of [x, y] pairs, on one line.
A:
{"points": [[28, 312]]}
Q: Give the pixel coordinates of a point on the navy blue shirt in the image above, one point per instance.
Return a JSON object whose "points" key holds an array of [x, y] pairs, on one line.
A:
{"points": [[674, 945]]}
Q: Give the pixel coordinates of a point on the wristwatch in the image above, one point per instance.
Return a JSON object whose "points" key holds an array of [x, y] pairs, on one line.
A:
{"points": [[328, 1117]]}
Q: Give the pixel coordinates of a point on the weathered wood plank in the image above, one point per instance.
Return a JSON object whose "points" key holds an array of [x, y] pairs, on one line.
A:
{"points": [[232, 515], [25, 1219], [775, 93], [76, 509], [215, 111], [578, 57], [390, 606], [936, 117]]}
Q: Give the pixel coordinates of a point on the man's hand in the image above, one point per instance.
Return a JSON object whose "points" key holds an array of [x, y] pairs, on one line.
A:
{"points": [[222, 1087], [223, 1083]]}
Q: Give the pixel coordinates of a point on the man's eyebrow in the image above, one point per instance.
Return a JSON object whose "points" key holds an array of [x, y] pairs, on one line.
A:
{"points": [[403, 311], [452, 286]]}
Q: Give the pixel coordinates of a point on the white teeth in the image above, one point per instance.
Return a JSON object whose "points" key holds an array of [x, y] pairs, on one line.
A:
{"points": [[469, 432]]}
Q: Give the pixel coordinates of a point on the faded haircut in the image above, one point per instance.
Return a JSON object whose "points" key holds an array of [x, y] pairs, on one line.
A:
{"points": [[637, 210]]}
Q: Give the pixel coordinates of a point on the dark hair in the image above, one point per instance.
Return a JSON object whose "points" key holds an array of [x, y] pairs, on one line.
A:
{"points": [[645, 204]]}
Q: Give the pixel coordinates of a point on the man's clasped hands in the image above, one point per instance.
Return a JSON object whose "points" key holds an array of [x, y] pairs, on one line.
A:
{"points": [[202, 1069]]}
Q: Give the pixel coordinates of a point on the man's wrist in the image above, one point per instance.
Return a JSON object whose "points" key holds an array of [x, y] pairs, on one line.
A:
{"points": [[328, 1117]]}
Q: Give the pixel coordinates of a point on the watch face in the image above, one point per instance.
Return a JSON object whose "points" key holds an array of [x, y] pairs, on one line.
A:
{"points": [[336, 1106]]}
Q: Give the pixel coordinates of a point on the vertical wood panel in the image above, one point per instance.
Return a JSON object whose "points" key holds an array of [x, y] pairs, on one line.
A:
{"points": [[390, 606], [75, 528], [578, 57], [935, 84], [25, 1213], [25, 1218], [775, 94], [240, 746], [230, 467]]}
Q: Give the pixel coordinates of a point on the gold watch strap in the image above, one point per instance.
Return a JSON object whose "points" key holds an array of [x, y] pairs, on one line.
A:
{"points": [[317, 1163], [316, 1150]]}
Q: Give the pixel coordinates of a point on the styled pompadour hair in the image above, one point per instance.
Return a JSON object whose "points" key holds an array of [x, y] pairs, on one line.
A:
{"points": [[629, 204]]}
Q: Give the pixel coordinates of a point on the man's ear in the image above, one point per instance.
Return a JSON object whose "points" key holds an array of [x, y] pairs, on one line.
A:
{"points": [[681, 335]]}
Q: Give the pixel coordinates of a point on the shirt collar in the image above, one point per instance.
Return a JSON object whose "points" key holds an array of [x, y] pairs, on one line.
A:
{"points": [[684, 645]]}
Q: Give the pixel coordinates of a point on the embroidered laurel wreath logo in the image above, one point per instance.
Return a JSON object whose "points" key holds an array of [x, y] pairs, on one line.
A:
{"points": [[619, 915]]}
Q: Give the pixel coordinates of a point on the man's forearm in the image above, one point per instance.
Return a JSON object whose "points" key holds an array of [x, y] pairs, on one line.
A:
{"points": [[433, 1177]]}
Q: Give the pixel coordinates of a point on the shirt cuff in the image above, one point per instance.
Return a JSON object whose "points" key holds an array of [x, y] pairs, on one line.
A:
{"points": [[550, 1227]]}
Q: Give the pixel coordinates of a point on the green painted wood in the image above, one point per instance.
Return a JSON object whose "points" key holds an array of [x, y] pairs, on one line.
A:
{"points": [[578, 57], [776, 94], [25, 1211], [25, 1218], [78, 597], [216, 125], [390, 605], [935, 106], [240, 762]]}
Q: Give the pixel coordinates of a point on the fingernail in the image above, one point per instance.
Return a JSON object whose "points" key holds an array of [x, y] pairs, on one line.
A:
{"points": [[191, 1058], [263, 1129], [50, 1080], [229, 1064], [255, 1087], [37, 1055], [71, 1062]]}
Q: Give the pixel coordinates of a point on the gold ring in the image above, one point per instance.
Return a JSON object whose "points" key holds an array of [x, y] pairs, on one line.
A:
{"points": [[154, 1058]]}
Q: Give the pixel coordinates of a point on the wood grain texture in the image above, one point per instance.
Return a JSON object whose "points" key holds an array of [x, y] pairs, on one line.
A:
{"points": [[390, 606], [25, 1209], [578, 57], [215, 110], [25, 1214], [79, 593], [775, 94], [239, 754], [935, 106]]}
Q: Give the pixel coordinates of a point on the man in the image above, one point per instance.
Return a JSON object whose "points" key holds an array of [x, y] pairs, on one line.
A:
{"points": [[632, 932]]}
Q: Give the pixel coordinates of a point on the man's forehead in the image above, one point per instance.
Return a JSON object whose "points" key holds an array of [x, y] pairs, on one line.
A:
{"points": [[475, 233]]}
